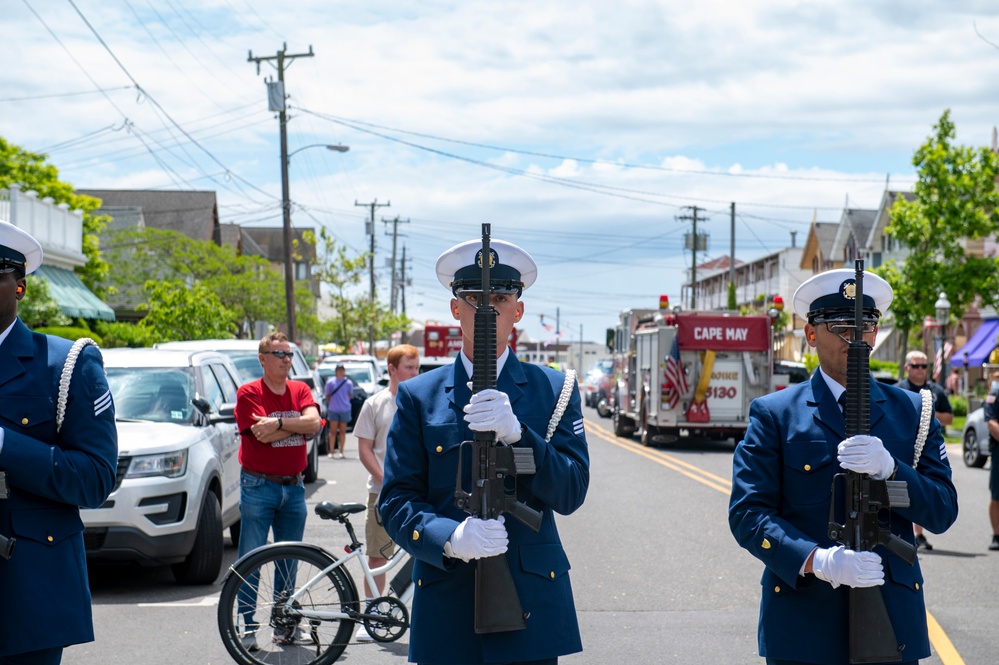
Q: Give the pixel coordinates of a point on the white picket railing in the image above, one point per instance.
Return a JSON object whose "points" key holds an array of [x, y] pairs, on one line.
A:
{"points": [[55, 226]]}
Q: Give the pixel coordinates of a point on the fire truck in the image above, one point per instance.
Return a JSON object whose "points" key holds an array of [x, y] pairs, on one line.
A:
{"points": [[689, 374], [444, 341]]}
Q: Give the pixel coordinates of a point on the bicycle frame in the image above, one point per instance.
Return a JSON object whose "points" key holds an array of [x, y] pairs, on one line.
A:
{"points": [[369, 575], [353, 550]]}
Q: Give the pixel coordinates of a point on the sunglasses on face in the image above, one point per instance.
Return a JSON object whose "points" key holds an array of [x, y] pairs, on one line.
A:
{"points": [[841, 326], [921, 366], [279, 354]]}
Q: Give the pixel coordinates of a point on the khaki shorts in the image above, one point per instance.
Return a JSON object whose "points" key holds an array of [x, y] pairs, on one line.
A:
{"points": [[377, 542]]}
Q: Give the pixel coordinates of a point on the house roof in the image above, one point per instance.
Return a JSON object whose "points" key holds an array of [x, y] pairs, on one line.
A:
{"points": [[193, 213], [882, 216], [268, 242], [855, 223]]}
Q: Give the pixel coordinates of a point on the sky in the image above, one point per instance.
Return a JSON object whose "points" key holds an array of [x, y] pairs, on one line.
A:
{"points": [[581, 130]]}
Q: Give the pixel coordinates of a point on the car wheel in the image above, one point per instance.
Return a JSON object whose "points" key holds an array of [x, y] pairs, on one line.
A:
{"points": [[972, 453], [603, 409], [623, 426], [312, 468], [204, 562]]}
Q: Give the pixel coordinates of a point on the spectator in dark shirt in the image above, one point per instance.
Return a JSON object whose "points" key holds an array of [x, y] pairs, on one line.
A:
{"points": [[917, 378]]}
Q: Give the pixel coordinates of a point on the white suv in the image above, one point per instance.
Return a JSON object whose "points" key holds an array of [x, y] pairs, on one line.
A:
{"points": [[177, 484], [244, 354]]}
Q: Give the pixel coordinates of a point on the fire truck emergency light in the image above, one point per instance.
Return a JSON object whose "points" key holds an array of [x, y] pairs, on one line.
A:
{"points": [[663, 302]]}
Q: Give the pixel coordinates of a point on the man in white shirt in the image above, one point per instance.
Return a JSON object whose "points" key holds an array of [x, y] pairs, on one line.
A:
{"points": [[371, 430]]}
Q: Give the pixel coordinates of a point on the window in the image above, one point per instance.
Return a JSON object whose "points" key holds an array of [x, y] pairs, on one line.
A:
{"points": [[211, 388], [227, 382]]}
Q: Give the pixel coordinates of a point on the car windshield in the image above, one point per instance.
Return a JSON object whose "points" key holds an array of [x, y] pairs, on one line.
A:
{"points": [[359, 373], [158, 394], [247, 362]]}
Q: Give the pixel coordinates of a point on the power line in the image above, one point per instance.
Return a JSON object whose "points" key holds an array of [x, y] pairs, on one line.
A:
{"points": [[607, 190], [99, 91], [585, 160]]}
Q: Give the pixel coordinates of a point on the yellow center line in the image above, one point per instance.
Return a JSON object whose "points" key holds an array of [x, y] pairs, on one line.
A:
{"points": [[941, 643], [689, 470], [938, 638]]}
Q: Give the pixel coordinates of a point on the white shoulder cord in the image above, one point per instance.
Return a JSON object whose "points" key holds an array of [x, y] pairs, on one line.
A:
{"points": [[563, 402], [924, 424], [67, 375]]}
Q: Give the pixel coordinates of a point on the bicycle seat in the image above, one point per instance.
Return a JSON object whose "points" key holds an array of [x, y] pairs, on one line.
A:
{"points": [[331, 510]]}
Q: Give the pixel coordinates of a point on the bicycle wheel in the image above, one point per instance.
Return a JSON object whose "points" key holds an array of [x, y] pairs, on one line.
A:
{"points": [[260, 627]]}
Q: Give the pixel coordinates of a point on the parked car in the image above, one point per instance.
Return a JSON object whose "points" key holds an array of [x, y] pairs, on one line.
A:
{"points": [[177, 483], [597, 386], [797, 371], [975, 439], [245, 355], [371, 382]]}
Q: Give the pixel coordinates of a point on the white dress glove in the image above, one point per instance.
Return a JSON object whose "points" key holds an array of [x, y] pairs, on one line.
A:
{"points": [[476, 539], [490, 411], [838, 565], [866, 454]]}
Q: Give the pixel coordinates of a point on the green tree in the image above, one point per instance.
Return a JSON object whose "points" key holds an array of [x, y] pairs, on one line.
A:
{"points": [[181, 312], [955, 200], [351, 306], [32, 171], [244, 285]]}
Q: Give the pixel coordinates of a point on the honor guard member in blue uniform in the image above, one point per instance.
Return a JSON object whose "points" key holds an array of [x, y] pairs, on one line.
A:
{"points": [[48, 473], [783, 471], [436, 413]]}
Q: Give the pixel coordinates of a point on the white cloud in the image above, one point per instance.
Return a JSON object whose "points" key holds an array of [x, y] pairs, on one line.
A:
{"points": [[831, 96]]}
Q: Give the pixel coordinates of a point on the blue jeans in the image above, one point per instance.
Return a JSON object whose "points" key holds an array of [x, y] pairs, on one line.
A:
{"points": [[262, 505]]}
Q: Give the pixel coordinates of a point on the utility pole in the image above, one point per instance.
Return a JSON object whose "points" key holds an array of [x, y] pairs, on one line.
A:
{"points": [[371, 264], [276, 102], [694, 242], [402, 277], [395, 235], [731, 254]]}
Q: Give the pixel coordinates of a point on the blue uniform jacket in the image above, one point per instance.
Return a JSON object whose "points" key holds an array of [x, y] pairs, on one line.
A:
{"points": [[779, 511], [43, 586], [417, 508]]}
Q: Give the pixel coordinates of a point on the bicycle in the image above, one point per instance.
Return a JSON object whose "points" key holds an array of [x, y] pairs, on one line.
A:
{"points": [[293, 602]]}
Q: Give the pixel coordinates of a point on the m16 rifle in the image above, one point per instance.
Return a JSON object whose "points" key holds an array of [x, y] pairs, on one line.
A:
{"points": [[865, 505], [494, 471]]}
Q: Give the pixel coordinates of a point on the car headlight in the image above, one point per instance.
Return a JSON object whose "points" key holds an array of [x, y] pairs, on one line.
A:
{"points": [[169, 465]]}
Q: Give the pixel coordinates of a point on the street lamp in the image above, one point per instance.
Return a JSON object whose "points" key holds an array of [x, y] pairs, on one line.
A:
{"points": [[334, 147], [942, 305], [289, 268]]}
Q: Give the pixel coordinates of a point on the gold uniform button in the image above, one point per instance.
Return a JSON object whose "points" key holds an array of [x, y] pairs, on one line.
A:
{"points": [[917, 586], [552, 574], [419, 582], [776, 589], [440, 448], [24, 421], [808, 467], [50, 539], [766, 544], [416, 534]]}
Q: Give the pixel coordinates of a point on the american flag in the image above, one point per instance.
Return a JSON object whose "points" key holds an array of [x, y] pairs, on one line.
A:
{"points": [[938, 360], [674, 378]]}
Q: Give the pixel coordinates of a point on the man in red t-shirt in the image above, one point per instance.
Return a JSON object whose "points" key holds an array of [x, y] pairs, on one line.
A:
{"points": [[274, 416]]}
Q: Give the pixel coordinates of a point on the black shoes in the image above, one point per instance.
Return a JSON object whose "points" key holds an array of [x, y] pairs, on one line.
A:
{"points": [[923, 544], [995, 543]]}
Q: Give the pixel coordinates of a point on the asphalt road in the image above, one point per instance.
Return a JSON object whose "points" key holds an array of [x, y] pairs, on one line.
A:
{"points": [[657, 576]]}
